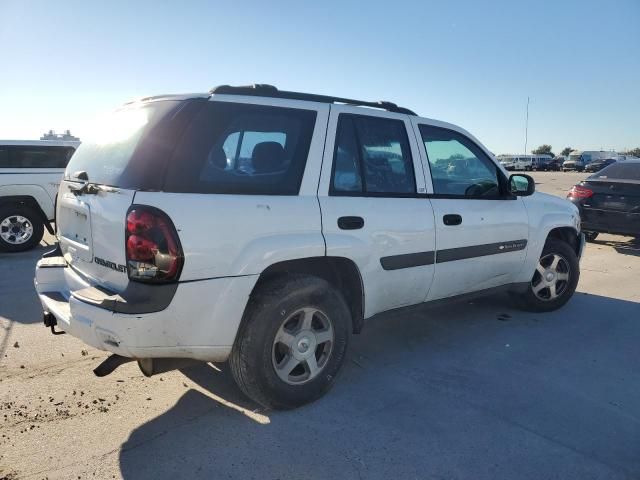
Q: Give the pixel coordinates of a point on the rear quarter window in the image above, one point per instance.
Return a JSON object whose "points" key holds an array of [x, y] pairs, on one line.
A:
{"points": [[129, 147], [233, 148], [619, 171]]}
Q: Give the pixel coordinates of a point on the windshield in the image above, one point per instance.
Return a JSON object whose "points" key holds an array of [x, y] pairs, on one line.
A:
{"points": [[107, 152]]}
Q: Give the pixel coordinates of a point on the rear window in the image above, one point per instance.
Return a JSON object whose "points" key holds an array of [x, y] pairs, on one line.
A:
{"points": [[233, 148], [619, 171], [35, 156], [112, 153]]}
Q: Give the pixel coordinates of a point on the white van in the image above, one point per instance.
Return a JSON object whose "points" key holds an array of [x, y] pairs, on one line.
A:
{"points": [[523, 161]]}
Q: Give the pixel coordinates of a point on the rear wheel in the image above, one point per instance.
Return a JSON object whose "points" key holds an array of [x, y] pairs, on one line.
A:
{"points": [[554, 280], [21, 228], [590, 236], [292, 342]]}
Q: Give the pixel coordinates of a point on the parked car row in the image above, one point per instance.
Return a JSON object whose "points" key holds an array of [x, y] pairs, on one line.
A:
{"points": [[579, 161], [529, 162]]}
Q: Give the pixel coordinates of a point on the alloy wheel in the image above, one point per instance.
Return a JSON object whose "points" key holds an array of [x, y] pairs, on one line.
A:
{"points": [[16, 229], [302, 346], [551, 278]]}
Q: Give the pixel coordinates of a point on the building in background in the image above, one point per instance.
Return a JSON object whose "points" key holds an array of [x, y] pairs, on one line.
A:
{"points": [[52, 135]]}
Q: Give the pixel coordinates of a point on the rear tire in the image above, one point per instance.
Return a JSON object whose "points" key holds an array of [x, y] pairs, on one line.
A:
{"points": [[554, 280], [21, 228], [292, 342]]}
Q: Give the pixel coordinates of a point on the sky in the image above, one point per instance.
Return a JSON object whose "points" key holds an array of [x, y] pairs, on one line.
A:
{"points": [[472, 63]]}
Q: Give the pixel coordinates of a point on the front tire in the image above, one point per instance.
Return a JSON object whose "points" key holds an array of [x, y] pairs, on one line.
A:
{"points": [[554, 280], [21, 228], [292, 342]]}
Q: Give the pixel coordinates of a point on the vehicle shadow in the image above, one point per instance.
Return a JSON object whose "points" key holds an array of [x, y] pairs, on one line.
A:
{"points": [[16, 284], [469, 390], [630, 246], [20, 302]]}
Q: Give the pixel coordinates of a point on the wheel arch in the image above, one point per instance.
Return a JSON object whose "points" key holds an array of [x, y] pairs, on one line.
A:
{"points": [[30, 202], [567, 234], [340, 272]]}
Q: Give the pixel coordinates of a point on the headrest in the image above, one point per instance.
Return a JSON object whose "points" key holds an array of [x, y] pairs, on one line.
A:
{"points": [[267, 157]]}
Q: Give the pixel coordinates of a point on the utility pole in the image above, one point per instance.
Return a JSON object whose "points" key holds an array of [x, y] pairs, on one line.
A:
{"points": [[526, 128]]}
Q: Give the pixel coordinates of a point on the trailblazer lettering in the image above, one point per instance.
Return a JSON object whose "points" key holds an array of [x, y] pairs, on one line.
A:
{"points": [[513, 246], [110, 264]]}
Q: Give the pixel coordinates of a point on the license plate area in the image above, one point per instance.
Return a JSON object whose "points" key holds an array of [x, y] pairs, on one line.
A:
{"points": [[74, 229]]}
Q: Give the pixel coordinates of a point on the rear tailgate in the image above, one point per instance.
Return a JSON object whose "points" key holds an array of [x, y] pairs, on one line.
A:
{"points": [[127, 152], [91, 232]]}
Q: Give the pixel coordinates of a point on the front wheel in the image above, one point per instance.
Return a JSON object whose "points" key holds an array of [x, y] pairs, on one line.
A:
{"points": [[21, 228], [554, 280], [292, 342]]}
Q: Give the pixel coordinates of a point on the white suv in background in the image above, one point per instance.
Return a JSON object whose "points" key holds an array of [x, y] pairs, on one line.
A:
{"points": [[30, 174], [264, 227]]}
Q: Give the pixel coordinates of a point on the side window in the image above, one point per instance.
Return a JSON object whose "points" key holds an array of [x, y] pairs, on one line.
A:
{"points": [[243, 149], [458, 166], [39, 157], [372, 156], [4, 158], [347, 176]]}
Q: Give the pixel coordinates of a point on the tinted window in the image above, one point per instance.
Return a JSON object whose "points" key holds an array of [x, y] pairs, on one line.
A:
{"points": [[347, 176], [242, 149], [372, 155], [619, 171], [458, 166], [113, 153], [35, 157]]}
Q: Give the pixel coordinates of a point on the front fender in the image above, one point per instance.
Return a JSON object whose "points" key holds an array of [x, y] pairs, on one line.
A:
{"points": [[546, 213]]}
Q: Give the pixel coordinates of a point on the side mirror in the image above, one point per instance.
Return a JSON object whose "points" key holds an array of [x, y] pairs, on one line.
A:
{"points": [[521, 185]]}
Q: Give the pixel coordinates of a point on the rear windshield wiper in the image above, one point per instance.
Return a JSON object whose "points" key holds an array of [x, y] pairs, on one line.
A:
{"points": [[87, 187]]}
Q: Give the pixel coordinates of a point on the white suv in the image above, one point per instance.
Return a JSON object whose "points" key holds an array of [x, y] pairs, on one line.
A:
{"points": [[30, 174], [263, 227]]}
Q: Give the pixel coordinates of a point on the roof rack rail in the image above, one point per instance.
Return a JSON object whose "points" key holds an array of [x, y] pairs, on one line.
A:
{"points": [[264, 90]]}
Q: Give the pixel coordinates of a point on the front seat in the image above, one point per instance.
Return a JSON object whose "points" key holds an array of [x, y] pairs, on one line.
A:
{"points": [[267, 157]]}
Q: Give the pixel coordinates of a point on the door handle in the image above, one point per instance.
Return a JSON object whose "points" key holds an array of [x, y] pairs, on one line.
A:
{"points": [[452, 219], [350, 223]]}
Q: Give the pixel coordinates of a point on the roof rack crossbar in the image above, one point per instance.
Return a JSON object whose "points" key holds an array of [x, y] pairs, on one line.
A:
{"points": [[263, 90]]}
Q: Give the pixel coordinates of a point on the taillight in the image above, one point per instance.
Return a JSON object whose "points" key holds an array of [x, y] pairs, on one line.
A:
{"points": [[154, 253], [578, 191]]}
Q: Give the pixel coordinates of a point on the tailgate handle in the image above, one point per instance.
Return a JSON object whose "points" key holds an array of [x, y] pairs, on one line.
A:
{"points": [[350, 223], [452, 219]]}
